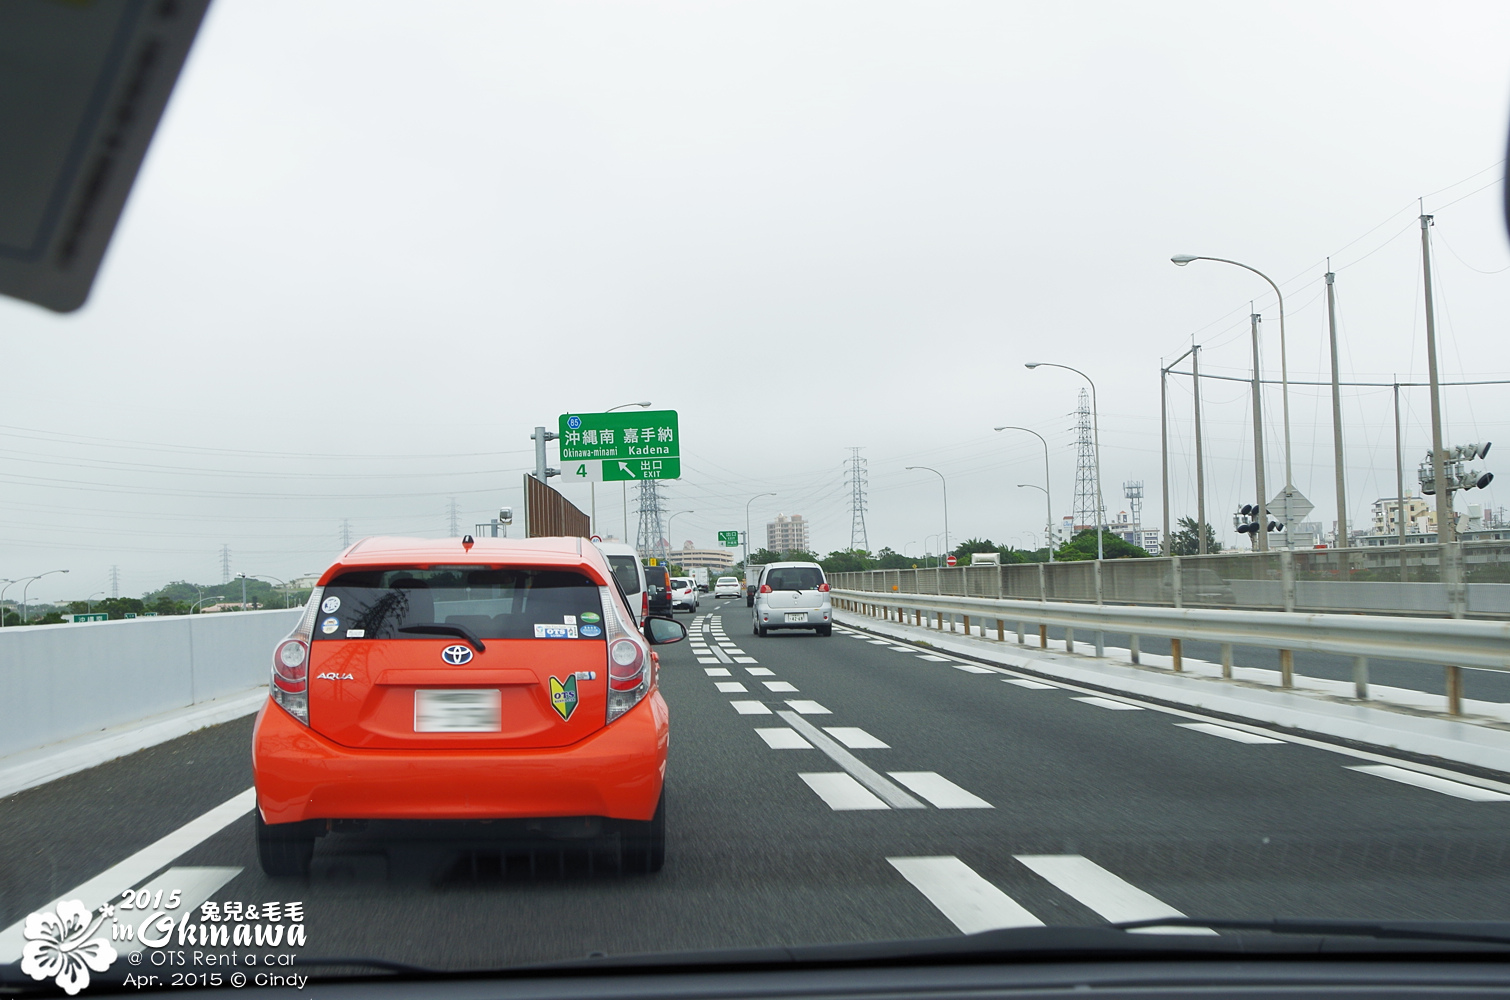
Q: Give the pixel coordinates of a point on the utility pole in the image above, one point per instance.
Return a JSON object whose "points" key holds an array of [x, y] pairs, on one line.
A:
{"points": [[540, 437], [1399, 482], [1331, 325], [1164, 453], [1200, 465], [1445, 527], [1261, 536]]}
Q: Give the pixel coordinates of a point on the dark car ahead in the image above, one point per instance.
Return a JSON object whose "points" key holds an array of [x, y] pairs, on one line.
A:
{"points": [[658, 586]]}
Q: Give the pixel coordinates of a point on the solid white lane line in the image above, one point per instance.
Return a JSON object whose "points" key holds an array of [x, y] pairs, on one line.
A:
{"points": [[842, 792], [939, 790], [1431, 782], [779, 686], [760, 671], [751, 707], [111, 882], [934, 659], [707, 659], [745, 659], [971, 668], [855, 738], [1030, 685], [196, 886], [732, 687], [871, 779], [970, 902], [1108, 895], [1235, 735], [802, 707], [784, 739], [716, 671], [1107, 703], [721, 656]]}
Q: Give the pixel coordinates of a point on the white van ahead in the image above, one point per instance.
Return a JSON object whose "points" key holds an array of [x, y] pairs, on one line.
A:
{"points": [[793, 595]]}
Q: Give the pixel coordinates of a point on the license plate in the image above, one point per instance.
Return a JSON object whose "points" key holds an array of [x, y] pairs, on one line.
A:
{"points": [[469, 710], [796, 616]]}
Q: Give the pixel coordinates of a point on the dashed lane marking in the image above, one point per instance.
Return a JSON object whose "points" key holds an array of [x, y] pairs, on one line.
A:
{"points": [[760, 671], [1431, 782], [751, 707], [745, 659], [802, 707], [784, 739], [855, 738], [970, 902], [934, 659], [780, 687], [1107, 894], [842, 792], [116, 879], [707, 659], [1030, 685], [939, 790], [732, 687], [1107, 703], [1226, 733], [971, 668], [716, 671]]}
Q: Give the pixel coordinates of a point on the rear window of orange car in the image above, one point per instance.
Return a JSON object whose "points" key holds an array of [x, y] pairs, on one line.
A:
{"points": [[513, 603], [627, 571]]}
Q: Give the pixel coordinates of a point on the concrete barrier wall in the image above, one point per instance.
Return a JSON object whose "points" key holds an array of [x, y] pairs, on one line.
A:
{"points": [[62, 681]]}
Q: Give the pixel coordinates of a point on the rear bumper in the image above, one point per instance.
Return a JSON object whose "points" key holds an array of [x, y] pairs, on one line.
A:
{"points": [[616, 773], [776, 618]]}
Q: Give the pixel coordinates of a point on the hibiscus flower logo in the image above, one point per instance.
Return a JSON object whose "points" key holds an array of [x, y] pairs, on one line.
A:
{"points": [[59, 945]]}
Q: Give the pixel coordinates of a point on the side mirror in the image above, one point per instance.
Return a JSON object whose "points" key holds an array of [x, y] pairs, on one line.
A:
{"points": [[661, 631]]}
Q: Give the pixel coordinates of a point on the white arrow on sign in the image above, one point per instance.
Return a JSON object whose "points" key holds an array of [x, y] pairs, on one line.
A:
{"points": [[624, 467]]}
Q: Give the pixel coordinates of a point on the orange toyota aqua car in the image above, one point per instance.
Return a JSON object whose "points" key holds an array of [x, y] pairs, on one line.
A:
{"points": [[501, 680]]}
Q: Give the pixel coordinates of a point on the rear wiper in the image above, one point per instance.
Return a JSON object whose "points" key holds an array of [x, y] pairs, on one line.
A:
{"points": [[442, 628], [1412, 931]]}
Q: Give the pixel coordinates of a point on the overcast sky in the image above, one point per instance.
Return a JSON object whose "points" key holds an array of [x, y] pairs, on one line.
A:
{"points": [[374, 244]]}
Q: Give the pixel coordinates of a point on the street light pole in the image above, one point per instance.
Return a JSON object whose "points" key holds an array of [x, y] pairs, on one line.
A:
{"points": [[28, 587], [747, 530], [1049, 500], [945, 485], [274, 579], [673, 517], [1049, 539], [1096, 425], [623, 485], [1284, 368]]}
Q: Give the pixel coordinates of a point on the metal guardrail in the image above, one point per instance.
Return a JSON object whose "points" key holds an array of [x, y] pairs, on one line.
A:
{"points": [[1469, 579], [1451, 643]]}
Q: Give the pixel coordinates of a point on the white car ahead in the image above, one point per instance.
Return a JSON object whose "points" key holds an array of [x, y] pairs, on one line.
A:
{"points": [[726, 586], [683, 593]]}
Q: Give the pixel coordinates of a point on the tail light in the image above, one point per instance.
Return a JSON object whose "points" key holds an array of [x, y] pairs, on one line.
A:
{"points": [[645, 603], [631, 671], [765, 588], [822, 588], [290, 686]]}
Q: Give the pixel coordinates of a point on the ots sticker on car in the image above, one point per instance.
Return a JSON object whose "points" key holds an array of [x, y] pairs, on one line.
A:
{"points": [[329, 625], [552, 631], [330, 605], [564, 695]]}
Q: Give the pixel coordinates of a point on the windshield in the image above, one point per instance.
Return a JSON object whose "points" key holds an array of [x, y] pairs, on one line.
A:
{"points": [[491, 604], [336, 527]]}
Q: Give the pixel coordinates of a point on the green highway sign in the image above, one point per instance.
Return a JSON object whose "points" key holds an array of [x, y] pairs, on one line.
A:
{"points": [[620, 470], [618, 443], [729, 539], [95, 617]]}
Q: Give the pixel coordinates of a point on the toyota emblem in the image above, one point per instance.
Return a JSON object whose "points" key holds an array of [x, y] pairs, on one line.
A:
{"points": [[456, 655]]}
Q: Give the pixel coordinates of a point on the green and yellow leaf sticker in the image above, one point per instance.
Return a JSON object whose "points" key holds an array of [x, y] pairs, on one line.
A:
{"points": [[564, 696]]}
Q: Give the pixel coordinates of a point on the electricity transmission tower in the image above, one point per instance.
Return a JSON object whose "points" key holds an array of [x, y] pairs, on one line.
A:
{"points": [[1085, 513], [115, 581], [858, 478], [455, 512], [1134, 492], [225, 564], [345, 533], [650, 540]]}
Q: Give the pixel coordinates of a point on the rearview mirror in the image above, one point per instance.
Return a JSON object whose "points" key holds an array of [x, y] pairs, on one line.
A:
{"points": [[661, 631]]}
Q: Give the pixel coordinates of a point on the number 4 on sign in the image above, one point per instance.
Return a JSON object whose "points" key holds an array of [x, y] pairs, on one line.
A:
{"points": [[585, 472]]}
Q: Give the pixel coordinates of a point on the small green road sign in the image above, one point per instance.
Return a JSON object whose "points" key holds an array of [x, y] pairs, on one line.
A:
{"points": [[98, 616], [729, 539], [614, 447], [129, 614]]}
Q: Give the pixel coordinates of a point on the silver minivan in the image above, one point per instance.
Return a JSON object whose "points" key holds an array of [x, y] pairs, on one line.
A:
{"points": [[793, 595]]}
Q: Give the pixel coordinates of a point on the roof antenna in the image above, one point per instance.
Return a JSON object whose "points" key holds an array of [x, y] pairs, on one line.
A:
{"points": [[467, 543]]}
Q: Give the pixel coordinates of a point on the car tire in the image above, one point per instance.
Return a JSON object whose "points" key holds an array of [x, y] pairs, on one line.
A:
{"points": [[642, 846], [284, 849], [762, 631], [825, 631]]}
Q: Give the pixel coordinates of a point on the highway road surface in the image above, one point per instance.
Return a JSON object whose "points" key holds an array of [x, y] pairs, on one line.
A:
{"points": [[823, 790]]}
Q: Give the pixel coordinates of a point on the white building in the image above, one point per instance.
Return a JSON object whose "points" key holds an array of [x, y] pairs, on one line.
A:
{"points": [[786, 534]]}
